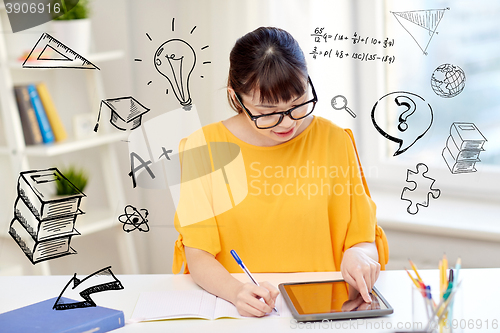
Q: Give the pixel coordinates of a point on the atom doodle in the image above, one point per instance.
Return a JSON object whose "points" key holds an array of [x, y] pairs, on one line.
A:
{"points": [[133, 219]]}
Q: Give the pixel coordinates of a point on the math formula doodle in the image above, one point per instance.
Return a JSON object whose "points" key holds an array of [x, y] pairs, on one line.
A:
{"points": [[324, 51]]}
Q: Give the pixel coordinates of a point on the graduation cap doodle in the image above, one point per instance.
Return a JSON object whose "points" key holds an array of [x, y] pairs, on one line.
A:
{"points": [[126, 113]]}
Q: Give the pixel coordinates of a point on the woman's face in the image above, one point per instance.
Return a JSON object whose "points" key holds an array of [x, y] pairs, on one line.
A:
{"points": [[286, 130]]}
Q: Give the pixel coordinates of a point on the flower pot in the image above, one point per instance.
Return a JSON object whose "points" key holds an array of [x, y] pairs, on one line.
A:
{"points": [[75, 34]]}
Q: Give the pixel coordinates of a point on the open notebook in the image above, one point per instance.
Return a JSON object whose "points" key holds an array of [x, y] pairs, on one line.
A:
{"points": [[190, 304]]}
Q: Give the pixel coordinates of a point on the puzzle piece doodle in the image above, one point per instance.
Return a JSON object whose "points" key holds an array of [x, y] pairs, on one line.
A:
{"points": [[420, 194]]}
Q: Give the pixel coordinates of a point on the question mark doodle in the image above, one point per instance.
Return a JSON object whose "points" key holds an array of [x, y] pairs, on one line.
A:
{"points": [[405, 135], [410, 109]]}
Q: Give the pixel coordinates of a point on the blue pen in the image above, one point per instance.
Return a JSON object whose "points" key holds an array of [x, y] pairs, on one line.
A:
{"points": [[240, 263]]}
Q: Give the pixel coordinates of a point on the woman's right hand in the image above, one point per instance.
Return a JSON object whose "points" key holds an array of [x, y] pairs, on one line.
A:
{"points": [[248, 299]]}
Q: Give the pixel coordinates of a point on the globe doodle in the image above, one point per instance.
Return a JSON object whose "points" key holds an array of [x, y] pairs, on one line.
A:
{"points": [[448, 80]]}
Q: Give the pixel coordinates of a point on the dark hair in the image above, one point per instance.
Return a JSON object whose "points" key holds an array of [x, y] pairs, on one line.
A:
{"points": [[268, 60]]}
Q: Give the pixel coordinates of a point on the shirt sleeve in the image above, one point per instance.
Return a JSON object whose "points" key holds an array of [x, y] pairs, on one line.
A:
{"points": [[194, 217], [362, 225], [203, 235]]}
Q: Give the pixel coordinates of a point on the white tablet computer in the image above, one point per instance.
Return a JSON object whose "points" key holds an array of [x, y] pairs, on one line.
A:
{"points": [[319, 300]]}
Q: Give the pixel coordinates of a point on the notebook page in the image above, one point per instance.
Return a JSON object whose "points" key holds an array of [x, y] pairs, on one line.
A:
{"points": [[225, 309], [174, 304], [207, 305]]}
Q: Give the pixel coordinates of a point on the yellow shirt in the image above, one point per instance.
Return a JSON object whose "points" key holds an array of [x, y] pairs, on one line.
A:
{"points": [[306, 202]]}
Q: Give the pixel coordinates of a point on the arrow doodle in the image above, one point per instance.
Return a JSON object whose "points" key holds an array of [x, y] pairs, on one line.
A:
{"points": [[101, 280]]}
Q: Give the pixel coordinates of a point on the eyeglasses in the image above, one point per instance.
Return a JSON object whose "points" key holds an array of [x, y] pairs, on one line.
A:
{"points": [[266, 121]]}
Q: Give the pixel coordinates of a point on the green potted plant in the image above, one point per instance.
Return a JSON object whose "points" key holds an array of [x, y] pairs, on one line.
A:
{"points": [[73, 27], [78, 178]]}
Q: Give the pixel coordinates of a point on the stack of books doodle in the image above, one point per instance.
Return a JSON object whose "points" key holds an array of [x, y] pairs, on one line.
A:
{"points": [[43, 224], [463, 147]]}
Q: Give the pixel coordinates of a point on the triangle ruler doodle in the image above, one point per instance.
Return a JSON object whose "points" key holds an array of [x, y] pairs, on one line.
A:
{"points": [[50, 53], [421, 25], [55, 54]]}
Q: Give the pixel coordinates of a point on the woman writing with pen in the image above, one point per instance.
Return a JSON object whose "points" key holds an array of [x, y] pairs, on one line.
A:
{"points": [[303, 206]]}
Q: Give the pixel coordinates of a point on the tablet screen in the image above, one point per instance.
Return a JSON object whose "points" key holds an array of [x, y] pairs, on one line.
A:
{"points": [[329, 297]]}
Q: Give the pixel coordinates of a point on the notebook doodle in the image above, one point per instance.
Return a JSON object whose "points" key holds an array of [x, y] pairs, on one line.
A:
{"points": [[81, 289], [422, 190]]}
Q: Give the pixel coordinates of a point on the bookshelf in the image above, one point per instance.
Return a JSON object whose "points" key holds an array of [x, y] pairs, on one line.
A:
{"points": [[20, 155], [72, 145], [69, 145]]}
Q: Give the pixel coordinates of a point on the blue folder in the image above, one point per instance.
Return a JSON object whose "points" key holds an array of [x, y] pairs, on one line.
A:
{"points": [[41, 317]]}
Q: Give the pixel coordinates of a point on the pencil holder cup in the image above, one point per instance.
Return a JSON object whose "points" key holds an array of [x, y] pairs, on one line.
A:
{"points": [[432, 313]]}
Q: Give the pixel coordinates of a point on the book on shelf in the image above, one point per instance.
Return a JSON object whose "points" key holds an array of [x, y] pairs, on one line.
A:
{"points": [[31, 129], [41, 317], [43, 121], [51, 111]]}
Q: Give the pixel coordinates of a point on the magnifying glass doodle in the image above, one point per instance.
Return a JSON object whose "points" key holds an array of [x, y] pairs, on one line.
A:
{"points": [[339, 102]]}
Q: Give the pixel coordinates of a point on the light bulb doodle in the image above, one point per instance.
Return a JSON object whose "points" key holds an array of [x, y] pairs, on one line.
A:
{"points": [[175, 59]]}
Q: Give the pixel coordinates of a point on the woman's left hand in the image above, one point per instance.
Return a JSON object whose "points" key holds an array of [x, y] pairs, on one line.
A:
{"points": [[360, 270]]}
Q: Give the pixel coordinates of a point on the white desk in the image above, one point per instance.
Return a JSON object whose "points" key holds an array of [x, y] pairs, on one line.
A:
{"points": [[18, 291]]}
